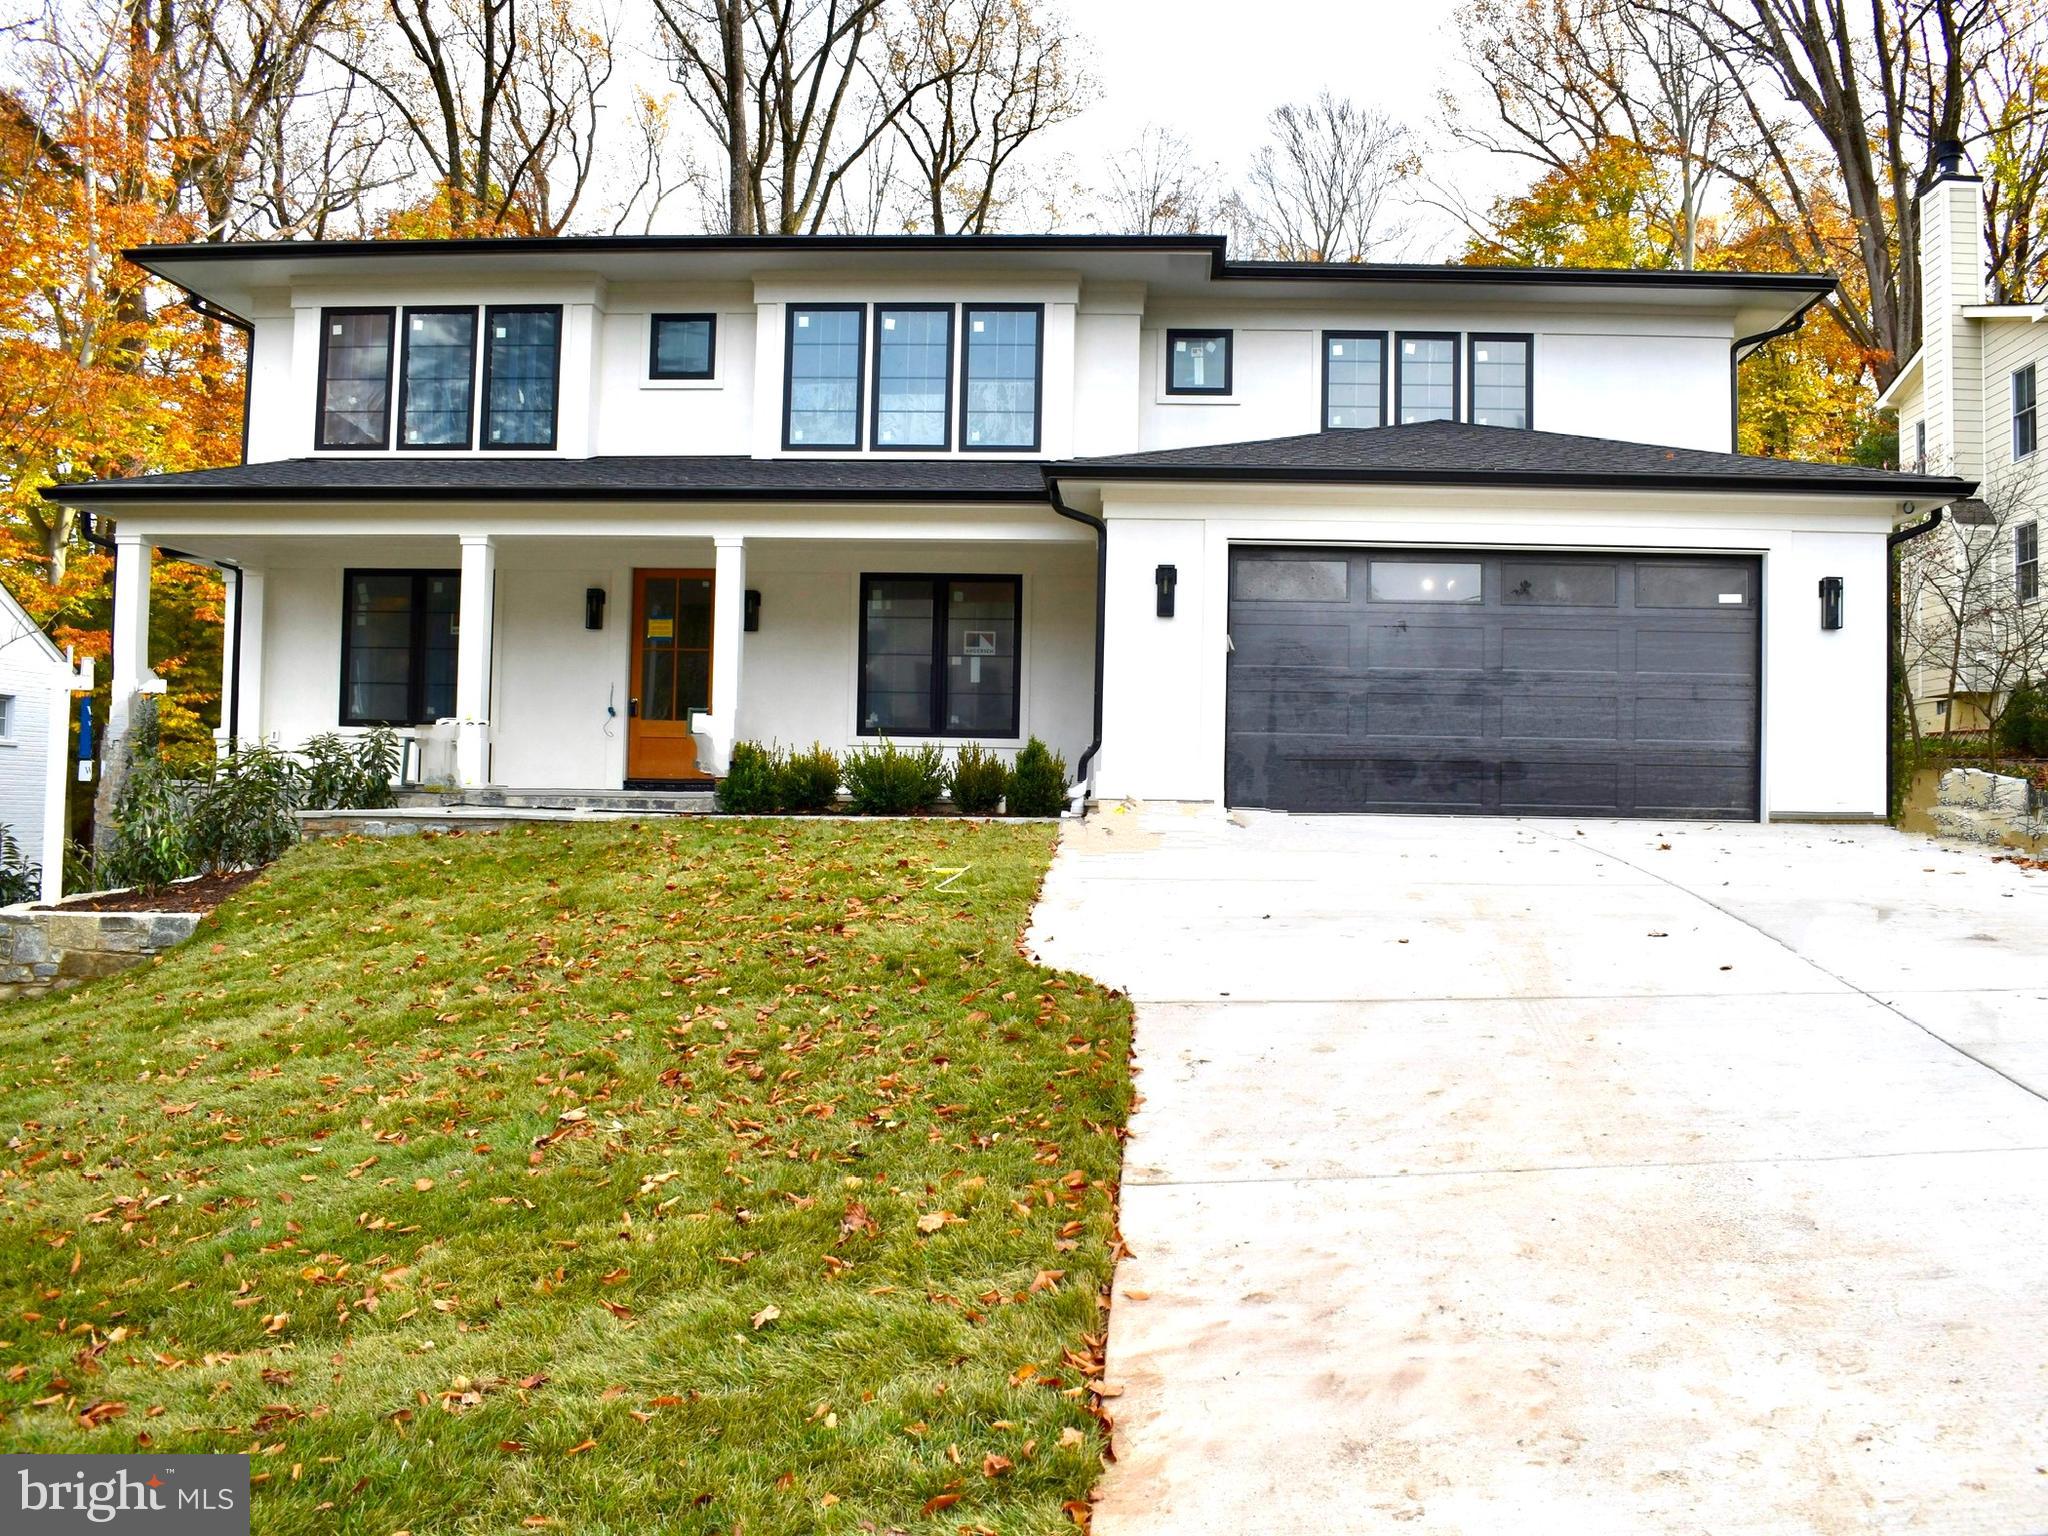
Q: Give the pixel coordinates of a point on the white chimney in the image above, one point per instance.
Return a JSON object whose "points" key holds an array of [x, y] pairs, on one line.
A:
{"points": [[1952, 276]]}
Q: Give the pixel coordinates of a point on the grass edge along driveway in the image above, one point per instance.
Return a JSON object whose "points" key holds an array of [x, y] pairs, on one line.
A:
{"points": [[708, 1176]]}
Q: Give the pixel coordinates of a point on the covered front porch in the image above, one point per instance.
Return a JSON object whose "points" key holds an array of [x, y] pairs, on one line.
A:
{"points": [[519, 654]]}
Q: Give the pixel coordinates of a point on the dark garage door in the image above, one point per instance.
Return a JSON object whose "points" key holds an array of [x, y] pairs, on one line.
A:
{"points": [[1493, 683]]}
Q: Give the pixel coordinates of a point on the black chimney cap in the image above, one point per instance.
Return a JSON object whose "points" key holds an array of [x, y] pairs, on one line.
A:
{"points": [[1949, 160]]}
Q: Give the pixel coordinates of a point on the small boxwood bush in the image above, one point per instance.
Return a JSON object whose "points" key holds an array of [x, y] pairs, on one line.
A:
{"points": [[752, 785], [978, 780], [810, 780], [889, 780], [1038, 783], [2023, 727]]}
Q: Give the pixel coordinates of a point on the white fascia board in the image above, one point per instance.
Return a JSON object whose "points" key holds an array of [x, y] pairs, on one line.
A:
{"points": [[1908, 377]]}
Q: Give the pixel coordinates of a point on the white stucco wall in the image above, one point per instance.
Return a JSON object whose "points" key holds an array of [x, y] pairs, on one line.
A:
{"points": [[35, 746], [1823, 693]]}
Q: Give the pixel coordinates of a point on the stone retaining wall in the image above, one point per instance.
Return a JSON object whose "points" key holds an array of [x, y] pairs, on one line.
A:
{"points": [[42, 950], [1982, 807]]}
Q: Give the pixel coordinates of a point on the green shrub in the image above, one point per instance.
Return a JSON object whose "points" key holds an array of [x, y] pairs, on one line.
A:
{"points": [[752, 785], [147, 846], [2023, 727], [894, 781], [1038, 784], [350, 774], [810, 780], [979, 779], [21, 879], [242, 816]]}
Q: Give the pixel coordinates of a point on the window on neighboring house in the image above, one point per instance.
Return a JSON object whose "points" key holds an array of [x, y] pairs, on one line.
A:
{"points": [[398, 646], [821, 383], [6, 717], [1941, 707], [682, 346], [938, 655], [913, 376], [1354, 378], [1499, 368], [2026, 561], [438, 380], [355, 379], [522, 364], [1920, 447], [1198, 362], [999, 384], [2023, 435], [1426, 378]]}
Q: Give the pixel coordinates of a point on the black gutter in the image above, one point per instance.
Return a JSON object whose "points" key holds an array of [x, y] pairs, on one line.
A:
{"points": [[1895, 680], [1736, 354], [1059, 505], [212, 311], [141, 491]]}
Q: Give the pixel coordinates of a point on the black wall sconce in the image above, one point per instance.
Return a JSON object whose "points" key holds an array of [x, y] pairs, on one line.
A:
{"points": [[1831, 602], [751, 621], [593, 607], [1166, 578]]}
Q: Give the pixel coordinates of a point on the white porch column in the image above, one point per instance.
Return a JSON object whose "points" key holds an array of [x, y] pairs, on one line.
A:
{"points": [[132, 559], [717, 729], [249, 695], [473, 660]]}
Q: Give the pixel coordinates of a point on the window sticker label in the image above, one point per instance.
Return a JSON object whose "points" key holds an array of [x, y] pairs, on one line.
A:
{"points": [[661, 629], [1731, 597], [978, 642]]}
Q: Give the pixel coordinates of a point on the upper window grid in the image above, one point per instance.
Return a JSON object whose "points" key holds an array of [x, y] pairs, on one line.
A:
{"points": [[1354, 379], [1426, 376], [522, 375], [1198, 362], [437, 378], [2026, 561], [2024, 436], [1500, 368], [682, 346], [821, 383], [1002, 377], [353, 408], [913, 377]]}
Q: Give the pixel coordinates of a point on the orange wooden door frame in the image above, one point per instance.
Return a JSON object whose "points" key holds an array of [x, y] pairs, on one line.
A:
{"points": [[661, 750]]}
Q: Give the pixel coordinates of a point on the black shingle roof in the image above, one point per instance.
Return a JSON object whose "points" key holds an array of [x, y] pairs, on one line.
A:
{"points": [[1459, 453]]}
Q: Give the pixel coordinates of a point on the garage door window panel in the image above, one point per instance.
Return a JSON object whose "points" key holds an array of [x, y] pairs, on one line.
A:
{"points": [[1426, 581], [1556, 584], [1692, 586], [1294, 581]]}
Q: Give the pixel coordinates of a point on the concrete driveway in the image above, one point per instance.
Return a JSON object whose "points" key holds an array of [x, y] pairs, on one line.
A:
{"points": [[1499, 1176]]}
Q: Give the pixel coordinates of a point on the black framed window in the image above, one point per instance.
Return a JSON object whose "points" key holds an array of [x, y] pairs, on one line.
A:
{"points": [[682, 346], [913, 376], [437, 383], [522, 367], [821, 376], [1000, 382], [355, 379], [2026, 561], [1354, 379], [398, 646], [2023, 434], [1426, 377], [1198, 362], [1499, 368], [938, 655]]}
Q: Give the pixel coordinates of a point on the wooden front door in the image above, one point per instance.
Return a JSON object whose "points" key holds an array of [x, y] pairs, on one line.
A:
{"points": [[671, 674]]}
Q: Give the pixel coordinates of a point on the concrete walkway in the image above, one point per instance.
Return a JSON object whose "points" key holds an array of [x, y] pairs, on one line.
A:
{"points": [[1585, 1177]]}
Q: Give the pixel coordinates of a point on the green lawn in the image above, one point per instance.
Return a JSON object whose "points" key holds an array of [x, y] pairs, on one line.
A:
{"points": [[700, 1176]]}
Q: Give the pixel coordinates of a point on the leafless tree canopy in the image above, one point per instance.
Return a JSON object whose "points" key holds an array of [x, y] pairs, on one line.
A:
{"points": [[1156, 188], [1321, 189]]}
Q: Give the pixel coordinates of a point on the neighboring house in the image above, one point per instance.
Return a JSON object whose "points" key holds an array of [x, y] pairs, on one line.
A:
{"points": [[1969, 401], [1311, 536], [36, 680]]}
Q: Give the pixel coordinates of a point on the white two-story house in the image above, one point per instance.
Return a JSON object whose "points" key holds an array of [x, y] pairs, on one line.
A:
{"points": [[1314, 537], [1969, 402]]}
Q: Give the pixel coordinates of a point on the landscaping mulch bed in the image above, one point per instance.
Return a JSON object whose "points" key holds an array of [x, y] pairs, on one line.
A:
{"points": [[200, 894]]}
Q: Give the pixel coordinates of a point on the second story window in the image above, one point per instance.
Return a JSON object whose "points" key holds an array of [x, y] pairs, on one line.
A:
{"points": [[355, 379], [438, 379], [1198, 362], [2026, 561], [1500, 380], [522, 358], [999, 384], [2023, 435], [1920, 447], [1354, 379], [1426, 377], [821, 383], [913, 376], [682, 347]]}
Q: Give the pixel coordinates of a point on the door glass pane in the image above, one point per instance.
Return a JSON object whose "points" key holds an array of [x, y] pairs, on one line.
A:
{"points": [[824, 378], [1692, 586], [693, 682], [913, 364], [523, 347], [981, 656], [896, 678], [1352, 380], [1500, 382], [1424, 581], [693, 611], [1294, 581], [1562, 585], [1429, 378], [1002, 378], [356, 390], [440, 362], [658, 683]]}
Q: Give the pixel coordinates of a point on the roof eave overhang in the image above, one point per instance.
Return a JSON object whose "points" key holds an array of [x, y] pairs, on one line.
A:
{"points": [[1905, 379], [1917, 488], [111, 495]]}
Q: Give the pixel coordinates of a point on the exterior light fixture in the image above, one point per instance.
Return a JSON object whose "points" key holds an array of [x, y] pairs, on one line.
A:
{"points": [[593, 607], [751, 619], [1165, 579], [1831, 602]]}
